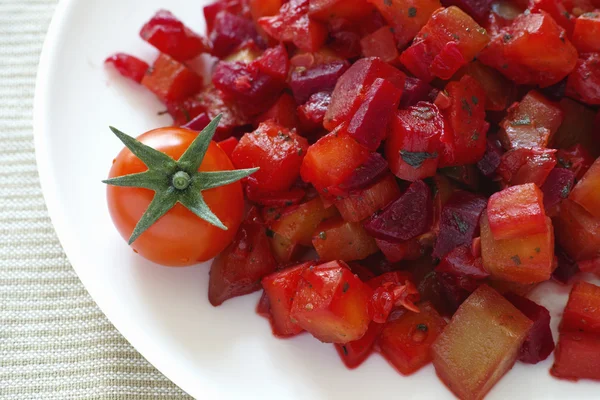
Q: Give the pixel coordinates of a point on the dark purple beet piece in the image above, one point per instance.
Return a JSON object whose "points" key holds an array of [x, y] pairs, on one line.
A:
{"points": [[539, 343], [557, 187], [567, 268], [319, 78], [459, 222], [415, 90], [198, 123], [230, 31], [555, 92], [405, 218], [492, 157], [478, 9], [312, 113], [461, 262], [367, 173], [456, 289]]}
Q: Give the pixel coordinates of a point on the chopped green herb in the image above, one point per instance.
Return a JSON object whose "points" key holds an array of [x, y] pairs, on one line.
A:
{"points": [[412, 12], [475, 100], [422, 327], [344, 349], [466, 107], [523, 121], [270, 233], [537, 249], [516, 259], [507, 37], [564, 193], [417, 158], [345, 287], [462, 226], [323, 235]]}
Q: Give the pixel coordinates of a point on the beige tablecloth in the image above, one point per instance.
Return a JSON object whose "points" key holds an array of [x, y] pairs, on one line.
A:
{"points": [[54, 341]]}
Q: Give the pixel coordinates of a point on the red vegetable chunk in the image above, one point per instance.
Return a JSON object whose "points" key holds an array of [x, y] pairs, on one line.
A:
{"points": [[352, 87], [577, 231], [463, 356], [584, 82], [331, 303], [499, 91], [576, 159], [330, 9], [319, 78], [516, 212], [312, 113], [362, 203], [170, 36], [356, 352], [292, 24], [406, 339], [531, 122], [465, 140], [380, 44], [557, 188], [578, 128], [577, 356], [227, 145], [240, 267], [283, 112], [557, 10], [461, 262], [492, 158], [539, 343], [129, 66], [566, 267], [587, 191], [406, 218], [336, 239], [274, 62], [522, 166], [280, 288], [412, 249], [276, 151], [582, 313], [415, 90], [459, 222], [533, 50], [170, 80], [230, 31], [413, 143], [586, 35], [364, 175]]}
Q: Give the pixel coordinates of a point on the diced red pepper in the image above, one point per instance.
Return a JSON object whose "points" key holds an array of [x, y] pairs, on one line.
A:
{"points": [[406, 17], [525, 259], [533, 50], [352, 87], [129, 66], [363, 203], [584, 82], [336, 239], [380, 44], [449, 40], [539, 343], [577, 231], [463, 356], [582, 313], [228, 145], [280, 288], [406, 340], [587, 191], [557, 10], [413, 145], [276, 151], [531, 123], [576, 159], [292, 24], [170, 80], [577, 356], [517, 211], [240, 267], [331, 303], [170, 36], [465, 140], [586, 36], [332, 159], [356, 352]]}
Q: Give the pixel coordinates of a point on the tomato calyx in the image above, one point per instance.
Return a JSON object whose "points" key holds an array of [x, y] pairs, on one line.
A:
{"points": [[176, 181]]}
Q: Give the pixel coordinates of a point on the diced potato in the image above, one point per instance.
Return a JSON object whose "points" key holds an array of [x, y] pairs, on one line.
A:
{"points": [[336, 239], [363, 203]]}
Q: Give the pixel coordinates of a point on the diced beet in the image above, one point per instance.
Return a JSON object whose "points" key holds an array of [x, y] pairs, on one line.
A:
{"points": [[412, 249], [370, 171], [170, 36], [576, 159], [230, 31], [198, 123], [492, 157], [356, 205], [461, 262], [345, 44], [319, 78], [263, 308], [455, 289], [312, 113], [246, 85], [539, 343], [524, 165], [369, 124], [566, 269], [459, 222], [406, 218], [415, 90], [557, 187], [129, 66]]}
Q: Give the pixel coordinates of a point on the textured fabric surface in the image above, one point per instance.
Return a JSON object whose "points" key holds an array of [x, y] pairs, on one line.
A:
{"points": [[54, 341]]}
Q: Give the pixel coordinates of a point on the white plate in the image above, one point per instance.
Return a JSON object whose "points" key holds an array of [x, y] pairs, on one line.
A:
{"points": [[226, 352]]}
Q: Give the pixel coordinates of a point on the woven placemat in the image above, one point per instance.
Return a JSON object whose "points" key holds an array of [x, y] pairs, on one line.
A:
{"points": [[54, 341]]}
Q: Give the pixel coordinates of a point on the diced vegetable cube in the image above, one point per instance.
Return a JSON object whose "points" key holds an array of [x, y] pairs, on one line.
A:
{"points": [[336, 239], [381, 44], [305, 82], [480, 344], [524, 165], [415, 90], [586, 36], [283, 249], [566, 268], [578, 128], [240, 267], [356, 352], [412, 249], [312, 113], [557, 188], [531, 122], [280, 288], [366, 174], [498, 90], [516, 211], [577, 356], [353, 85], [283, 112], [230, 31], [577, 231], [170, 80], [129, 66], [576, 159], [557, 10], [587, 191], [331, 303], [582, 313], [492, 158], [539, 343], [363, 203], [584, 82], [406, 340], [461, 262], [525, 259], [413, 143]]}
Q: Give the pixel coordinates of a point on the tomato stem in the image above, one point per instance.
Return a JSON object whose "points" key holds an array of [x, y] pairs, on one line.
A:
{"points": [[181, 180]]}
